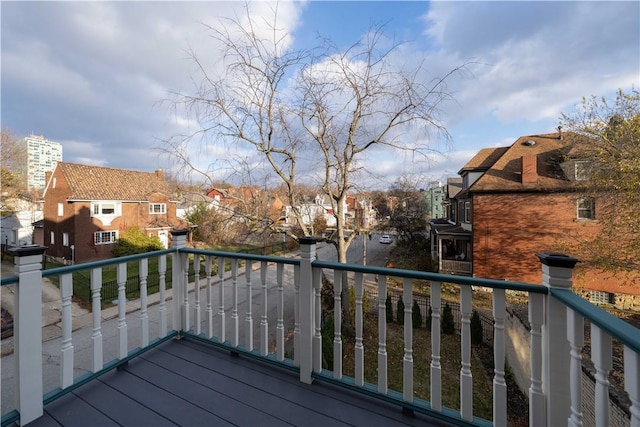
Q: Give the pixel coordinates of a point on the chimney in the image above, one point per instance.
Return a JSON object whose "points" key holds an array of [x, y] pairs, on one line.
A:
{"points": [[560, 133], [529, 169], [158, 173]]}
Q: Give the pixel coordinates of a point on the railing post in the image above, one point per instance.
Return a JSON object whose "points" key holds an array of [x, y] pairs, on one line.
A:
{"points": [[28, 331], [557, 270], [179, 240], [307, 256]]}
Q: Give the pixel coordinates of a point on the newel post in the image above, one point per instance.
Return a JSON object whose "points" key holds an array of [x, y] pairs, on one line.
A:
{"points": [[307, 256], [179, 241], [557, 270], [28, 331]]}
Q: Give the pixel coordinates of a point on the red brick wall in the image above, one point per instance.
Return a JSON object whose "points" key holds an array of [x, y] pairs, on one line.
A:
{"points": [[509, 229]]}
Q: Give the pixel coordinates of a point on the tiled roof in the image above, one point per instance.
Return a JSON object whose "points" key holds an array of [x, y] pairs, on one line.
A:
{"points": [[506, 173], [484, 159], [100, 183]]}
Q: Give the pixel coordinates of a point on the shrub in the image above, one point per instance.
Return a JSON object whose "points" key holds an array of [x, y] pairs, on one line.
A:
{"points": [[476, 329], [416, 315], [389, 308], [327, 343], [135, 241], [400, 312], [448, 325], [428, 319]]}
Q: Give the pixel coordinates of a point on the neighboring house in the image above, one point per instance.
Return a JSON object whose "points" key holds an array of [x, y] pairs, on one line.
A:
{"points": [[517, 201], [320, 206], [16, 226], [250, 202], [187, 203], [87, 207], [361, 211]]}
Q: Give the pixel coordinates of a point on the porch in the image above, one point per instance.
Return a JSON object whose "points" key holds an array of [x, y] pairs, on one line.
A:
{"points": [[244, 346]]}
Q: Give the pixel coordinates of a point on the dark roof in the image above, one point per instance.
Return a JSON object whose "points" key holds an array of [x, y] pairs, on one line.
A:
{"points": [[506, 173], [100, 183], [451, 230]]}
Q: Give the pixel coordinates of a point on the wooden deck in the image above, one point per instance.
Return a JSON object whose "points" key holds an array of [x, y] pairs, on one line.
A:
{"points": [[189, 383]]}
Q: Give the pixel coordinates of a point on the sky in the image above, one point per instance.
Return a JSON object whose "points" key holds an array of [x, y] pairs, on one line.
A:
{"points": [[96, 76]]}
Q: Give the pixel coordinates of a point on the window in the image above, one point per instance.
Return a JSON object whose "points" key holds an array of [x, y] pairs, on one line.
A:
{"points": [[52, 238], [586, 208], [105, 237], [467, 211], [65, 239], [601, 297], [582, 170], [157, 208], [60, 209], [104, 208]]}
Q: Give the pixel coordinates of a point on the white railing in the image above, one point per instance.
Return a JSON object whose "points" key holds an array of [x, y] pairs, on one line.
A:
{"points": [[448, 266], [292, 288]]}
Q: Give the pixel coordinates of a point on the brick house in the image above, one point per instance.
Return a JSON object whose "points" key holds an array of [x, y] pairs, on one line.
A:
{"points": [[87, 207], [521, 200]]}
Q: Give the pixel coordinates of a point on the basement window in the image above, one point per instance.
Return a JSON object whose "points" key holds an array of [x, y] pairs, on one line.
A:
{"points": [[602, 297]]}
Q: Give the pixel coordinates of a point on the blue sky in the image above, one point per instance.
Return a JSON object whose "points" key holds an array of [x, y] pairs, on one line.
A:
{"points": [[90, 75]]}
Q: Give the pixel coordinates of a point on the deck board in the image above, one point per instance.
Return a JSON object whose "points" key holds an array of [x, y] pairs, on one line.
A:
{"points": [[189, 383]]}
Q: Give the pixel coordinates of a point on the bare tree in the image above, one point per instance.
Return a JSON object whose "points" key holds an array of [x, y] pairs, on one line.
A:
{"points": [[331, 105]]}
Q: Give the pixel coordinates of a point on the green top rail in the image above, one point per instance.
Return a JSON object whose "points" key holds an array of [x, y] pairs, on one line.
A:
{"points": [[104, 262], [241, 255], [617, 328], [423, 275], [9, 280]]}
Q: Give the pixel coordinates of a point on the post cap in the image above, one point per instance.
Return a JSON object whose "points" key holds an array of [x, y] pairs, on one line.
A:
{"points": [[557, 260], [179, 232], [27, 250], [307, 240]]}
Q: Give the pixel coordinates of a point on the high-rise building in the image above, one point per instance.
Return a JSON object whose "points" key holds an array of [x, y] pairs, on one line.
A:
{"points": [[42, 156]]}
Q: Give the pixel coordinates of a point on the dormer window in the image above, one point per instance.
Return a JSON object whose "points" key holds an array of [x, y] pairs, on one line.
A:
{"points": [[157, 208], [581, 170], [105, 208]]}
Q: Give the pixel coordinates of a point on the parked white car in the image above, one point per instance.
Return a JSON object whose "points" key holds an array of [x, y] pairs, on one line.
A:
{"points": [[385, 238]]}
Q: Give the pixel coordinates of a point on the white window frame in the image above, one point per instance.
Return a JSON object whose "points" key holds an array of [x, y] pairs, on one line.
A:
{"points": [[162, 208], [60, 209], [105, 237], [602, 297], [52, 238], [98, 207], [581, 209], [467, 211], [65, 239]]}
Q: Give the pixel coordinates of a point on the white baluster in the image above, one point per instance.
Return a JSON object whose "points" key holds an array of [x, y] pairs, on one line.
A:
{"points": [[197, 312], [234, 304], [66, 351], [537, 403], [407, 361], [382, 334], [248, 320], [208, 264], [264, 321], [337, 324], [121, 276], [186, 321], [359, 350], [96, 309], [144, 314], [603, 362], [632, 383], [316, 275], [436, 367], [296, 315], [499, 384], [222, 331], [162, 285], [280, 320], [466, 380], [575, 335]]}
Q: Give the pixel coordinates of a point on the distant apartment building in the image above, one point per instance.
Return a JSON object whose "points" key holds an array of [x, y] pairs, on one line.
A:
{"points": [[42, 156], [435, 197]]}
